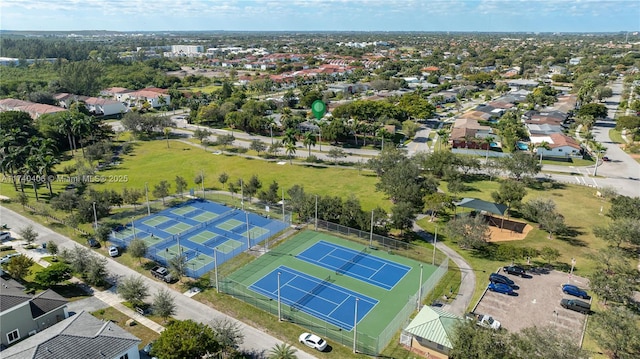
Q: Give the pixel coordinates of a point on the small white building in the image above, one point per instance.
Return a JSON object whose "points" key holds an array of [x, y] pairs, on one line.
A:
{"points": [[150, 95], [559, 145], [104, 106]]}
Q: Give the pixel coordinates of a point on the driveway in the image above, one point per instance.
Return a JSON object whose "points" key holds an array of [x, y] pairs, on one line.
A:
{"points": [[187, 308]]}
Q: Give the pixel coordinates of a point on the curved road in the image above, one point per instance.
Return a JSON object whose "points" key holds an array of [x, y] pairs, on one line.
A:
{"points": [[187, 308]]}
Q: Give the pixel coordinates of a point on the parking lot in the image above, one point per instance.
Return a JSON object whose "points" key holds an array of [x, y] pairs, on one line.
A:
{"points": [[537, 303]]}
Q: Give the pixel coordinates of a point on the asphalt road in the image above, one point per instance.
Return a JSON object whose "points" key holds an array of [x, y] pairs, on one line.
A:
{"points": [[187, 308]]}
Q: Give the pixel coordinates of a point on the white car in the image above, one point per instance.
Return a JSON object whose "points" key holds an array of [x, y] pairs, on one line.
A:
{"points": [[313, 341], [8, 257], [5, 236], [113, 251]]}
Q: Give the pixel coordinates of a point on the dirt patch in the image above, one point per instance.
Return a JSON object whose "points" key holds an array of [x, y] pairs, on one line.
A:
{"points": [[503, 235]]}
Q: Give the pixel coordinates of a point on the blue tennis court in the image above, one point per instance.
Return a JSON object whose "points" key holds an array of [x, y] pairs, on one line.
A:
{"points": [[320, 298], [359, 265]]}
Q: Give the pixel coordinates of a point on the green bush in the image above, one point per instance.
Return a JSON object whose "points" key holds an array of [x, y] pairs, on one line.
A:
{"points": [[5, 248]]}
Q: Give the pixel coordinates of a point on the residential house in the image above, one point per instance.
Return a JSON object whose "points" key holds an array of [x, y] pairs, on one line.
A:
{"points": [[429, 333], [34, 110], [104, 106], [149, 95], [24, 314], [116, 93], [542, 129], [468, 133], [559, 145], [520, 84], [80, 336]]}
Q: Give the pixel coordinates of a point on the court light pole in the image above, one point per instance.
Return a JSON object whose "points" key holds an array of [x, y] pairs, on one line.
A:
{"points": [[283, 205], [573, 264], [420, 288], [215, 267], [146, 193], [279, 310], [355, 326], [248, 233], [95, 218], [316, 212], [133, 226], [371, 232], [435, 242], [241, 194], [204, 196]]}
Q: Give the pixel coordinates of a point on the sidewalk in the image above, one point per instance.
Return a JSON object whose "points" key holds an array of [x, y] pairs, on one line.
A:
{"points": [[108, 296]]}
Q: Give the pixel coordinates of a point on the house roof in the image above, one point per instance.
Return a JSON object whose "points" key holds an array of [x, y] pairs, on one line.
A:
{"points": [[462, 133], [45, 302], [11, 294], [560, 140], [434, 324], [78, 337], [466, 122], [481, 205]]}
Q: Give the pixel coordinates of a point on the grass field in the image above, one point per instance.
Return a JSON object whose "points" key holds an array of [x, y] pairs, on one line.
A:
{"points": [[372, 324], [206, 89], [145, 334]]}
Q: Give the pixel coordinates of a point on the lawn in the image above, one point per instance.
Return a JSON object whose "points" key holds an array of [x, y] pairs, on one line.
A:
{"points": [[206, 89], [145, 334]]}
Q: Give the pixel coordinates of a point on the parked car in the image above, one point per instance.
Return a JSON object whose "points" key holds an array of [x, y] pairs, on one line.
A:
{"points": [[575, 291], [113, 251], [606, 159], [313, 341], [515, 270], [501, 288], [499, 278], [5, 236], [576, 305], [8, 257], [147, 348], [91, 242]]}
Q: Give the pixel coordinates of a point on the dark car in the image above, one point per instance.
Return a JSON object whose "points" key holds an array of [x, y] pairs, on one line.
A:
{"points": [[91, 242], [576, 305], [574, 291], [501, 288], [515, 270], [606, 159], [499, 278]]}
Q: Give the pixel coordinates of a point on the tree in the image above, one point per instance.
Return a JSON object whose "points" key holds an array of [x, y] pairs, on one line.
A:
{"points": [[616, 332], [549, 254], [164, 304], [18, 266], [520, 164], [228, 335], [544, 343], [469, 232], [137, 248], [201, 135], [178, 266], [131, 196], [28, 234], [103, 232], [53, 274], [252, 186], [167, 132], [410, 128], [185, 339], [133, 289], [309, 140], [161, 190], [23, 199], [96, 270], [437, 202], [52, 248], [282, 351], [402, 216], [509, 193], [470, 341], [290, 149], [336, 153], [257, 145], [622, 230], [223, 178], [624, 206], [617, 284], [181, 185], [226, 140], [596, 110]]}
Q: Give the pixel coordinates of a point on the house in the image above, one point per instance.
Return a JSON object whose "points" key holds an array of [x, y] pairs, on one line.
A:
{"points": [[104, 106], [559, 145], [429, 333], [23, 315], [149, 95], [116, 93], [34, 110], [80, 336], [520, 84], [542, 129], [468, 133]]}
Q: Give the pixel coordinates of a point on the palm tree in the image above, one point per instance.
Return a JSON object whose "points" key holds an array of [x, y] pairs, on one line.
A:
{"points": [[309, 140], [540, 146], [289, 136], [599, 149], [290, 149], [443, 135], [488, 141], [47, 160], [282, 351], [64, 127], [166, 131], [382, 132]]}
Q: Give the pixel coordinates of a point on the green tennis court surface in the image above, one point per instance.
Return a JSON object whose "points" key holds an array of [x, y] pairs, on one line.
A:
{"points": [[229, 224], [373, 327], [183, 210], [156, 220], [255, 232], [199, 261], [204, 217], [177, 228], [229, 246], [202, 237]]}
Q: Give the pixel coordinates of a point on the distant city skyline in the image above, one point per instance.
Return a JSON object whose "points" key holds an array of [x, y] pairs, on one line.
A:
{"points": [[322, 15]]}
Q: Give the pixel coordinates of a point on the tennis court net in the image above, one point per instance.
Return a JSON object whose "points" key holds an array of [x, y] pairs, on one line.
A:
{"points": [[350, 263], [312, 293]]}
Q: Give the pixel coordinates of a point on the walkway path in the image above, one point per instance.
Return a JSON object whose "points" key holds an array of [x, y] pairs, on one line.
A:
{"points": [[462, 300]]}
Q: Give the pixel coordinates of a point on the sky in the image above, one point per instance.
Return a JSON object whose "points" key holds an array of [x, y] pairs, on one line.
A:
{"points": [[322, 15]]}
